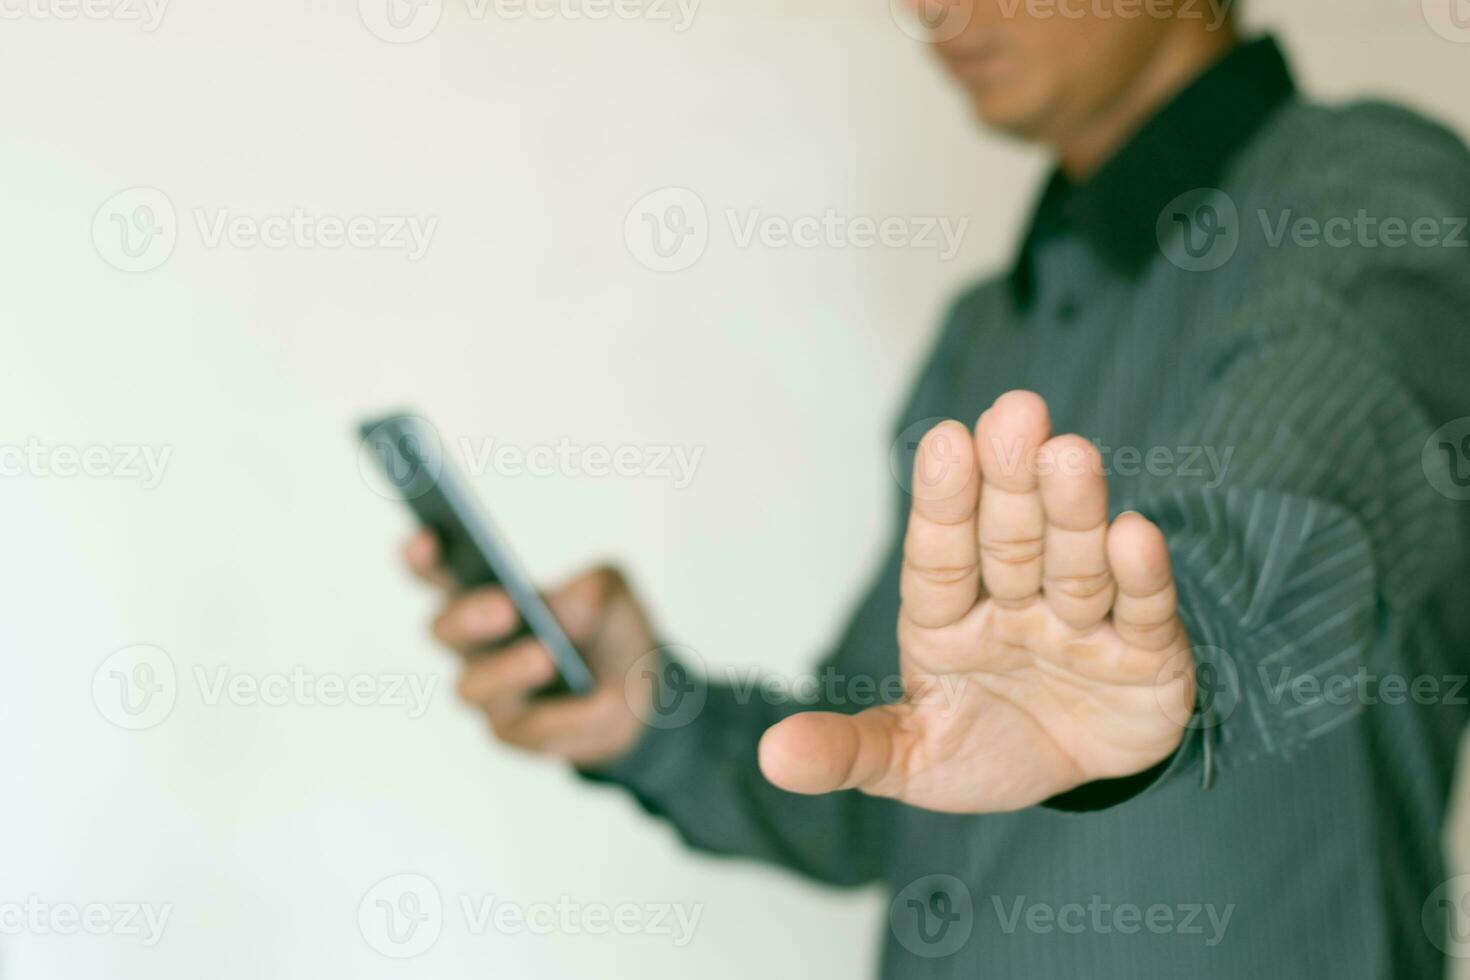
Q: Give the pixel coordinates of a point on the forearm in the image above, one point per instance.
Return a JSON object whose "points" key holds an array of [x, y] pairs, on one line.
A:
{"points": [[696, 767]]}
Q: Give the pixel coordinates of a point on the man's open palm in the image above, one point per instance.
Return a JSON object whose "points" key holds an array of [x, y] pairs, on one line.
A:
{"points": [[1039, 645]]}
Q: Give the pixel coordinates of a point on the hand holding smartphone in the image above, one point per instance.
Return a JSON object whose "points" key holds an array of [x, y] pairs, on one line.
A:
{"points": [[409, 453]]}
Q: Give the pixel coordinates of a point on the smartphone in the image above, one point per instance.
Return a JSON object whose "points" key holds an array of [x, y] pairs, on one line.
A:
{"points": [[409, 452]]}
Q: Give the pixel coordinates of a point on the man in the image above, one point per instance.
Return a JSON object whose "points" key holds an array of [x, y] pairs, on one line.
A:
{"points": [[1179, 691]]}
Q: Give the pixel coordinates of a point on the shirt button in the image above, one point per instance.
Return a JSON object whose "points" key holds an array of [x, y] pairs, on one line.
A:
{"points": [[1067, 310]]}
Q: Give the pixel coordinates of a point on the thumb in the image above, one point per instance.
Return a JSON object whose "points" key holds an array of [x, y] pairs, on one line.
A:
{"points": [[822, 751]]}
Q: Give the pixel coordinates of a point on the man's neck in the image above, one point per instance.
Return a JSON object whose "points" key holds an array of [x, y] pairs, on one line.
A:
{"points": [[1178, 60]]}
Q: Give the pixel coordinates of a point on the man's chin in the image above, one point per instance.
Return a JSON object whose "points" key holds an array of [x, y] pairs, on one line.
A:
{"points": [[1007, 114]]}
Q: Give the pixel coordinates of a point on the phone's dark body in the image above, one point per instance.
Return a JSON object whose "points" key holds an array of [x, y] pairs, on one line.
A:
{"points": [[409, 452]]}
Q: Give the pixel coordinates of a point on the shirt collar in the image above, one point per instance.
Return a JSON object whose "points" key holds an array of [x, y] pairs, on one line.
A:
{"points": [[1186, 145]]}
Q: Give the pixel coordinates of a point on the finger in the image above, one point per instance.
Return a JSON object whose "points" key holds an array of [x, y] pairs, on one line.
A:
{"points": [[501, 680], [941, 571], [1012, 517], [821, 751], [1074, 493], [421, 555], [572, 728], [474, 620], [504, 686], [1144, 611]]}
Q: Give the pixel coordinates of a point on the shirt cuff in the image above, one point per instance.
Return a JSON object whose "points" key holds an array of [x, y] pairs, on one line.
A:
{"points": [[669, 743], [1196, 752]]}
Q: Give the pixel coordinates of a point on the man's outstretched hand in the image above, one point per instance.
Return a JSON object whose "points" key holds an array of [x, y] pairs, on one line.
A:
{"points": [[1039, 645]]}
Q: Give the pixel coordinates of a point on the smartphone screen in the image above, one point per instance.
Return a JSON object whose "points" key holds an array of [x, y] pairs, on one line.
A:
{"points": [[411, 456]]}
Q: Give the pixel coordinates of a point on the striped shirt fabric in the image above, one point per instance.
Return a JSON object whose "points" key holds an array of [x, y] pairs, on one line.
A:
{"points": [[1275, 363]]}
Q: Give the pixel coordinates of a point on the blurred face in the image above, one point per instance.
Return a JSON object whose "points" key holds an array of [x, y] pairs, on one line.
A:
{"points": [[1041, 69]]}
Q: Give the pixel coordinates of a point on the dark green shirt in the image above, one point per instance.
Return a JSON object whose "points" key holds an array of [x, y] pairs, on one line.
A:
{"points": [[1259, 311]]}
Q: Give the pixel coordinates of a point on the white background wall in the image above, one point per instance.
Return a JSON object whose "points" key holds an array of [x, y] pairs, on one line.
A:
{"points": [[528, 321]]}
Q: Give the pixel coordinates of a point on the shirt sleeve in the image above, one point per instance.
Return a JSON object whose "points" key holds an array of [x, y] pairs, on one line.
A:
{"points": [[1319, 531], [1331, 523], [695, 766]]}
